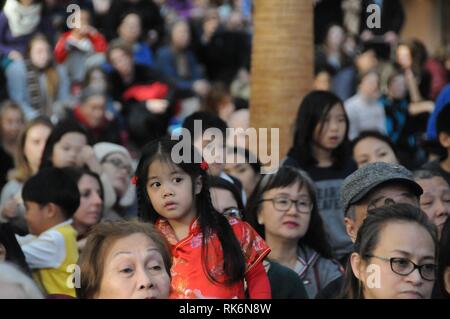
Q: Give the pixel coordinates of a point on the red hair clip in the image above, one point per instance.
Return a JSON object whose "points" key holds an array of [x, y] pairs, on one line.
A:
{"points": [[204, 166], [134, 180]]}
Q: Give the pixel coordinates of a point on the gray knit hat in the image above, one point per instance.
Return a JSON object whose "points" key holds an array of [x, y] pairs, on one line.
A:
{"points": [[366, 178]]}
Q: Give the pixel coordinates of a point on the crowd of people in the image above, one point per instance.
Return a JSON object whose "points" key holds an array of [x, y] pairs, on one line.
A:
{"points": [[94, 205]]}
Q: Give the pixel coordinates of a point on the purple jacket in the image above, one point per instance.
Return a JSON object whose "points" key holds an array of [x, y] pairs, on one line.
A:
{"points": [[9, 43]]}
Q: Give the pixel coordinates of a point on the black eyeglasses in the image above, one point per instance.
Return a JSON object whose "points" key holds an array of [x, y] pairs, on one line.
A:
{"points": [[232, 212], [283, 204], [404, 267]]}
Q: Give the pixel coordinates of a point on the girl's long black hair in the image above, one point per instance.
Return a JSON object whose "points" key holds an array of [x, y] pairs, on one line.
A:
{"points": [[313, 111], [210, 221]]}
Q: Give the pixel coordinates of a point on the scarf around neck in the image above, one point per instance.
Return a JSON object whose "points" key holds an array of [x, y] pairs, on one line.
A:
{"points": [[22, 20]]}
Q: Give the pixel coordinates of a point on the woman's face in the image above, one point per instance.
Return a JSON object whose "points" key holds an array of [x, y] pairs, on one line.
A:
{"points": [[118, 168], [330, 133], [12, 124], [67, 149], [34, 144], [90, 210], [405, 240], [134, 269], [290, 224], [130, 28], [371, 150], [243, 172], [404, 57], [335, 37], [180, 35], [223, 200], [40, 54]]}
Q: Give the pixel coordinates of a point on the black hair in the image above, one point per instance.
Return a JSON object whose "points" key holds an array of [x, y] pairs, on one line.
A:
{"points": [[376, 135], [444, 260], [62, 128], [53, 185], [315, 237], [210, 221], [219, 182], [443, 120], [313, 110], [369, 236], [14, 253], [208, 120]]}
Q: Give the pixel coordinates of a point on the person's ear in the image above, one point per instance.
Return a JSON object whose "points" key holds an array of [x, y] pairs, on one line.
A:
{"points": [[350, 227], [356, 264], [447, 279], [198, 184], [444, 139], [51, 210]]}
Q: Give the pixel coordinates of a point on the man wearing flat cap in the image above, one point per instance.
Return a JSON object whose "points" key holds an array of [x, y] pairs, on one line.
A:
{"points": [[371, 186]]}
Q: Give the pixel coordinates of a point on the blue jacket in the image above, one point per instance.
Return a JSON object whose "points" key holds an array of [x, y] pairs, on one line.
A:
{"points": [[442, 99]]}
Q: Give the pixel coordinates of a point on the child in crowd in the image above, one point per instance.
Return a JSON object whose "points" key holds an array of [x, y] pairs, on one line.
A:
{"points": [[213, 255], [321, 149], [51, 198]]}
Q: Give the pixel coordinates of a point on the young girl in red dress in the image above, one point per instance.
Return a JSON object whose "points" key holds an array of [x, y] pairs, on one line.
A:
{"points": [[213, 256]]}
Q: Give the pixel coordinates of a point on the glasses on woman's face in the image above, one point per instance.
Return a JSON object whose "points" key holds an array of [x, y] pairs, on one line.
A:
{"points": [[120, 165], [404, 267], [283, 204]]}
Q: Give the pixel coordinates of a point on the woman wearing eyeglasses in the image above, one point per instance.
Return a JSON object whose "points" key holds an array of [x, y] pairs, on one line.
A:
{"points": [[283, 210], [395, 256]]}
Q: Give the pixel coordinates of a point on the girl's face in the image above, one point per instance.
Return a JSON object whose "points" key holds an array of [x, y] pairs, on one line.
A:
{"points": [[171, 192], [130, 28], [407, 241], [12, 124], [435, 200], [371, 150], [34, 144], [90, 210], [66, 150], [330, 132], [180, 35], [40, 54], [290, 224], [134, 269], [118, 168], [243, 172]]}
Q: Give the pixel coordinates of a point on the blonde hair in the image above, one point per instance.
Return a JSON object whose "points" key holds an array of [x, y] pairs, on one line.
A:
{"points": [[10, 274]]}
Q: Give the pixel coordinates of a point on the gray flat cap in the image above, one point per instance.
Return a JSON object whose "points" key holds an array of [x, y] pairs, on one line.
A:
{"points": [[369, 176]]}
